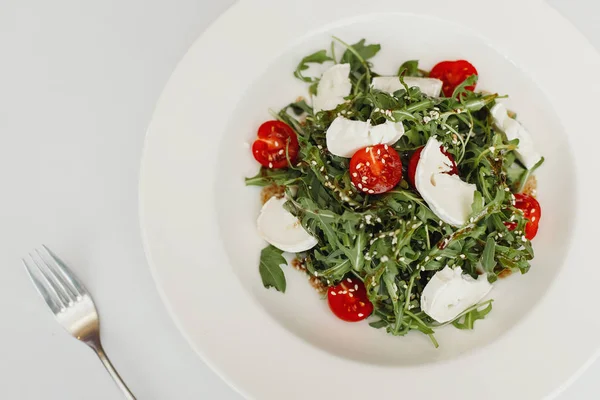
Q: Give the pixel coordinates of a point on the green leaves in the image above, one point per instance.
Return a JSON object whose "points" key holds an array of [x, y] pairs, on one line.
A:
{"points": [[357, 54], [411, 68], [270, 176], [487, 257], [318, 57], [270, 270], [467, 320]]}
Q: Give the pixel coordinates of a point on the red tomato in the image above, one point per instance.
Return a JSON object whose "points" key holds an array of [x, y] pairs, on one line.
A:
{"points": [[270, 146], [531, 210], [376, 169], [453, 73], [348, 300], [414, 160]]}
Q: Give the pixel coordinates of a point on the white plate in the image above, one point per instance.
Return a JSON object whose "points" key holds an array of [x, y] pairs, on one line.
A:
{"points": [[198, 219]]}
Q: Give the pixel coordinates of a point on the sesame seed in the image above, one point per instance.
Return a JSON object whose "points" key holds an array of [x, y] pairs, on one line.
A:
{"points": [[507, 189], [349, 280], [371, 191], [368, 164], [532, 219], [378, 152], [384, 259], [333, 293], [270, 165], [423, 268], [360, 186], [492, 149], [409, 206], [319, 147], [351, 290], [402, 259], [523, 238], [355, 287], [426, 258], [313, 162], [360, 315], [359, 166], [350, 295], [281, 152], [354, 174], [463, 256], [385, 146], [438, 258], [382, 160]]}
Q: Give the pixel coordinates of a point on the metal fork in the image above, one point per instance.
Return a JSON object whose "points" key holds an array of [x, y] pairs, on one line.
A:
{"points": [[70, 303]]}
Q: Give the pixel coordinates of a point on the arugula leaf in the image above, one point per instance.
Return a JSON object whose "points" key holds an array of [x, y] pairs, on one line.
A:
{"points": [[487, 257], [270, 270], [318, 57], [478, 203], [270, 176], [360, 53], [411, 68], [467, 321]]}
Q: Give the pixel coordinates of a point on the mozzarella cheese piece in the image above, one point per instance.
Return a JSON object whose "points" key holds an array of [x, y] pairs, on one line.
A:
{"points": [[282, 229], [514, 130], [430, 86], [450, 292], [447, 195], [332, 88], [345, 137]]}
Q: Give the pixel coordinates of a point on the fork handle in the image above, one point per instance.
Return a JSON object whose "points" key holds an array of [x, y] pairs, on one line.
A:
{"points": [[113, 372]]}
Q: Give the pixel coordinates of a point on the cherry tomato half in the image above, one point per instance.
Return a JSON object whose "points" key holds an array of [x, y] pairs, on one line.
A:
{"points": [[414, 160], [452, 74], [376, 169], [531, 210], [270, 146], [348, 300]]}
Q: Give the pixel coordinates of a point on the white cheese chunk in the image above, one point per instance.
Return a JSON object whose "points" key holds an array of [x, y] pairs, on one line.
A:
{"points": [[447, 195], [514, 130], [345, 137], [430, 86], [332, 88], [282, 229], [450, 292]]}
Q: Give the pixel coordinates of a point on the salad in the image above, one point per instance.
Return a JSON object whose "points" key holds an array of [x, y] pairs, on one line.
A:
{"points": [[404, 198]]}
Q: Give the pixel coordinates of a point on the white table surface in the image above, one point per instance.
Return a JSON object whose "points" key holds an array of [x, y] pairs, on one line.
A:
{"points": [[78, 83]]}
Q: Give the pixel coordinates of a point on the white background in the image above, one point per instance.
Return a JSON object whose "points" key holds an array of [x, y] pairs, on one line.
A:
{"points": [[78, 84]]}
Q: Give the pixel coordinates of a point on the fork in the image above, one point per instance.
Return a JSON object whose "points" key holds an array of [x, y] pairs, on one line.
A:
{"points": [[71, 304]]}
